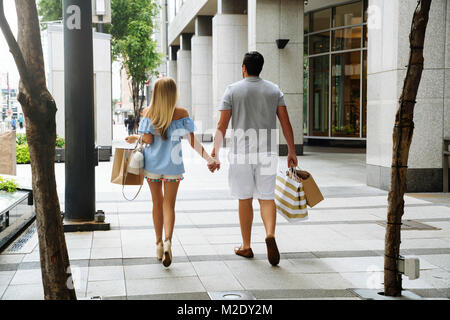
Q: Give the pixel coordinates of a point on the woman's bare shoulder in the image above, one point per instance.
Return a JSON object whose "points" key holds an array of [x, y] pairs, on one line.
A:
{"points": [[180, 113]]}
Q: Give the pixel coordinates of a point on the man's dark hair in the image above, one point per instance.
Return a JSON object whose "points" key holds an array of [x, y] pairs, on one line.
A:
{"points": [[254, 62]]}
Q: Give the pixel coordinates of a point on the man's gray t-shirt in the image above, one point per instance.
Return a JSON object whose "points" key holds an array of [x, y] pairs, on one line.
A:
{"points": [[253, 103]]}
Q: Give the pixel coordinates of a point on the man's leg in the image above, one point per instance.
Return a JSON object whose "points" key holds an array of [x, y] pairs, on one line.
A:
{"points": [[269, 216], [246, 220], [265, 180]]}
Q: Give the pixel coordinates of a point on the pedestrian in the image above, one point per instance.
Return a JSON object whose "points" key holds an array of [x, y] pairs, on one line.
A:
{"points": [[21, 121], [253, 105], [125, 122], [162, 128], [130, 124], [13, 123]]}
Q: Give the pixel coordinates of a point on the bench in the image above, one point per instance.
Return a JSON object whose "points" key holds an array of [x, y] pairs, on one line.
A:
{"points": [[445, 158], [16, 213]]}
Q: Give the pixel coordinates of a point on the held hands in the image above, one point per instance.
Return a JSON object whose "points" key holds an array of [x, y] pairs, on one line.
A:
{"points": [[213, 163]]}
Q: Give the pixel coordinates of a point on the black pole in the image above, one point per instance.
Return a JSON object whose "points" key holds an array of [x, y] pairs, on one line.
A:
{"points": [[79, 111]]}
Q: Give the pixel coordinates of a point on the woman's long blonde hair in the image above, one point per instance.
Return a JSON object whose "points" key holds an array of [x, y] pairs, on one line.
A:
{"points": [[162, 107]]}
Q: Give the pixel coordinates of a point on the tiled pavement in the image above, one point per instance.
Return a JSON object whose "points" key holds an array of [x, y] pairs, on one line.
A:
{"points": [[339, 248]]}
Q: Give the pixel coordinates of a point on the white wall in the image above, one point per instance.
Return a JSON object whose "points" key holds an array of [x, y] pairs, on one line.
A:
{"points": [[202, 98], [230, 43], [388, 55], [184, 61], [269, 21], [102, 70]]}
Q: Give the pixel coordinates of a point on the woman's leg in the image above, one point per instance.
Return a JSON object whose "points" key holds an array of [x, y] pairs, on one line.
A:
{"points": [[170, 197], [158, 217]]}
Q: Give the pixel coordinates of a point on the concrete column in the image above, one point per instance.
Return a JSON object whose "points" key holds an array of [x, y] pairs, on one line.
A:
{"points": [[230, 36], [283, 19], [202, 96], [184, 61], [172, 63], [387, 60]]}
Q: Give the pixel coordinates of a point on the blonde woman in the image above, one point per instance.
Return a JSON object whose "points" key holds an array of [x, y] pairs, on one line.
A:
{"points": [[163, 126]]}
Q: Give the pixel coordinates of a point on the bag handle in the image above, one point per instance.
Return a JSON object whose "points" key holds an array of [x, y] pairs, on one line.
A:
{"points": [[123, 193], [141, 144]]}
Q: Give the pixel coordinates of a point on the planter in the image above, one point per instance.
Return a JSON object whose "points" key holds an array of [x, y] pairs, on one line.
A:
{"points": [[60, 155]]}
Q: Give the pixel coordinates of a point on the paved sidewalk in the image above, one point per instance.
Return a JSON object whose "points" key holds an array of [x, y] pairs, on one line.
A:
{"points": [[339, 248]]}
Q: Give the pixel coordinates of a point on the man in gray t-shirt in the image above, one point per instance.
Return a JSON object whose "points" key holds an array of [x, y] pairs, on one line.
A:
{"points": [[254, 104]]}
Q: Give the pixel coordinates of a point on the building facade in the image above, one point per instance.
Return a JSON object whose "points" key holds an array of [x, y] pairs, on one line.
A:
{"points": [[341, 71]]}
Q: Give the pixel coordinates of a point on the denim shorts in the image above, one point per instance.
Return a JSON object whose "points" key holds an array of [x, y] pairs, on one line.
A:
{"points": [[156, 177]]}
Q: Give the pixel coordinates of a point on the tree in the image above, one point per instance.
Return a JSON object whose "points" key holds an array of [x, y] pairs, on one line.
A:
{"points": [[50, 10], [131, 30], [402, 137], [40, 109]]}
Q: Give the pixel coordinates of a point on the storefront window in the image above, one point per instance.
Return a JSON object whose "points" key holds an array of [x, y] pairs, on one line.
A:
{"points": [[335, 71], [318, 95], [321, 20], [346, 39], [348, 15], [346, 94], [319, 42], [365, 37], [364, 96], [306, 23]]}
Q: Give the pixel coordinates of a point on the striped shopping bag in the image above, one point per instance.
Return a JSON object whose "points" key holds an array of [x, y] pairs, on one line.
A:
{"points": [[290, 198]]}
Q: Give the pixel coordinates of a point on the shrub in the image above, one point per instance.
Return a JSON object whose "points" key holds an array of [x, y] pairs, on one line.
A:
{"points": [[8, 185], [22, 154], [60, 142], [21, 138]]}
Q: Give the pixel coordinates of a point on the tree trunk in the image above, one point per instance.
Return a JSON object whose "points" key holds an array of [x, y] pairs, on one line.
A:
{"points": [[137, 103], [39, 109], [402, 137]]}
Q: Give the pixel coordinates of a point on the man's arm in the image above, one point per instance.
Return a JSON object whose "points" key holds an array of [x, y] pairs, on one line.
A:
{"points": [[288, 133], [225, 116]]}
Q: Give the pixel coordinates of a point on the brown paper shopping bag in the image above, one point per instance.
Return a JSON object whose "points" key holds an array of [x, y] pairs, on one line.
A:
{"points": [[119, 171], [312, 192]]}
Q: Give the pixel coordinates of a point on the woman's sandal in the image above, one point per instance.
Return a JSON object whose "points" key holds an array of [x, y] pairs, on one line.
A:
{"points": [[159, 250], [167, 258], [246, 253]]}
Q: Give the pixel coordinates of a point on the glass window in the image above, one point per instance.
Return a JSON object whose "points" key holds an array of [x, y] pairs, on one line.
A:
{"points": [[318, 95], [345, 39], [319, 42], [306, 23], [366, 7], [345, 94], [365, 37], [305, 46], [364, 95], [348, 14], [321, 20], [305, 92]]}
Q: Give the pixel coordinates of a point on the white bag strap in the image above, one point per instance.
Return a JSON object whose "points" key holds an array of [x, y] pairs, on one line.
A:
{"points": [[123, 193], [139, 143]]}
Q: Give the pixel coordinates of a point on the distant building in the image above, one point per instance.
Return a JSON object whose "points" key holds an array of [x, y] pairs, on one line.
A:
{"points": [[8, 96]]}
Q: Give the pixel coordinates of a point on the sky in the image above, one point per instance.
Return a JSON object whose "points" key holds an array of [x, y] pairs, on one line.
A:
{"points": [[6, 61]]}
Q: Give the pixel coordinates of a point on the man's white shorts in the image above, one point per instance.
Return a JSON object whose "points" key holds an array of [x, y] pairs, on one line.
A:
{"points": [[253, 179]]}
